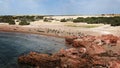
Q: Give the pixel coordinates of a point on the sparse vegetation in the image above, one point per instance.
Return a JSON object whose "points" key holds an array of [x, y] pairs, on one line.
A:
{"points": [[24, 22], [11, 22], [7, 19], [23, 19], [39, 17], [114, 21], [66, 20], [82, 25], [45, 20], [63, 20], [48, 19]]}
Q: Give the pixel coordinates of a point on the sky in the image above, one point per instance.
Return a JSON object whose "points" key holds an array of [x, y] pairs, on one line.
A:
{"points": [[59, 7]]}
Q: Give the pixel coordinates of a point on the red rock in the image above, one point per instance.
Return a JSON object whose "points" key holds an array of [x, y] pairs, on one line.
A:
{"points": [[76, 43], [99, 64], [82, 50], [86, 53], [118, 43], [74, 63], [95, 49], [110, 38], [71, 53], [99, 42], [114, 64], [81, 43], [89, 38], [69, 39], [91, 47], [41, 60]]}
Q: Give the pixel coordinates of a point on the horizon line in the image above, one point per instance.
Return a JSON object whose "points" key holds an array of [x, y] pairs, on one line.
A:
{"points": [[58, 14]]}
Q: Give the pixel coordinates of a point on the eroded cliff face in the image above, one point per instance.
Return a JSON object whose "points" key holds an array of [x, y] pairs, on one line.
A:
{"points": [[86, 52]]}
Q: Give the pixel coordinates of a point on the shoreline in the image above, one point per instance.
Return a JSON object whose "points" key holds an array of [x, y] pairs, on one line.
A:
{"points": [[59, 30], [37, 30], [33, 33], [26, 29]]}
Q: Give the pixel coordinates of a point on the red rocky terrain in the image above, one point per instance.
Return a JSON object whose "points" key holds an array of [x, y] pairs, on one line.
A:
{"points": [[86, 52]]}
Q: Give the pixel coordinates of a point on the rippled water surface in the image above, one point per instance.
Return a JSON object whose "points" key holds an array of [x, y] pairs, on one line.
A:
{"points": [[13, 45]]}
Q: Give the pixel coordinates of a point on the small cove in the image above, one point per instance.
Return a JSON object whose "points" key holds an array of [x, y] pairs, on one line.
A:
{"points": [[14, 44]]}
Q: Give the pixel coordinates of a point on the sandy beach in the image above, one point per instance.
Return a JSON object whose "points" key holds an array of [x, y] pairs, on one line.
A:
{"points": [[60, 29]]}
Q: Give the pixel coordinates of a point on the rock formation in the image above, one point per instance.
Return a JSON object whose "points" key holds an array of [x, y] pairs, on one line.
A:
{"points": [[86, 52], [69, 39], [40, 60]]}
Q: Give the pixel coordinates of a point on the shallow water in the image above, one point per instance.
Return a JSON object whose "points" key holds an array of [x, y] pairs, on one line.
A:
{"points": [[13, 45]]}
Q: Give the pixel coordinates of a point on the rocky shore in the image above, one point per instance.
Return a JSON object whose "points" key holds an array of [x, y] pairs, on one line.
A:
{"points": [[85, 52]]}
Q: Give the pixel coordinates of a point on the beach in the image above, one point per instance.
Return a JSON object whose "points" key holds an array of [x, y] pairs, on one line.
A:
{"points": [[60, 29]]}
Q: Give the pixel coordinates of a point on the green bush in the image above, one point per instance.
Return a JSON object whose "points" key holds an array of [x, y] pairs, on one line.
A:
{"points": [[24, 19], [114, 21], [11, 22], [24, 22], [76, 20], [7, 19], [63, 20], [39, 17], [46, 20]]}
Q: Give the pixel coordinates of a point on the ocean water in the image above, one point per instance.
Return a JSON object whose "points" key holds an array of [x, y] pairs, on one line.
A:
{"points": [[13, 45]]}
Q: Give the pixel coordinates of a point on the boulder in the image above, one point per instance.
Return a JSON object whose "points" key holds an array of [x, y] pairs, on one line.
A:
{"points": [[110, 38], [95, 49], [40, 60], [82, 50], [69, 39], [89, 38], [90, 47], [70, 53], [81, 43], [114, 64], [73, 63]]}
